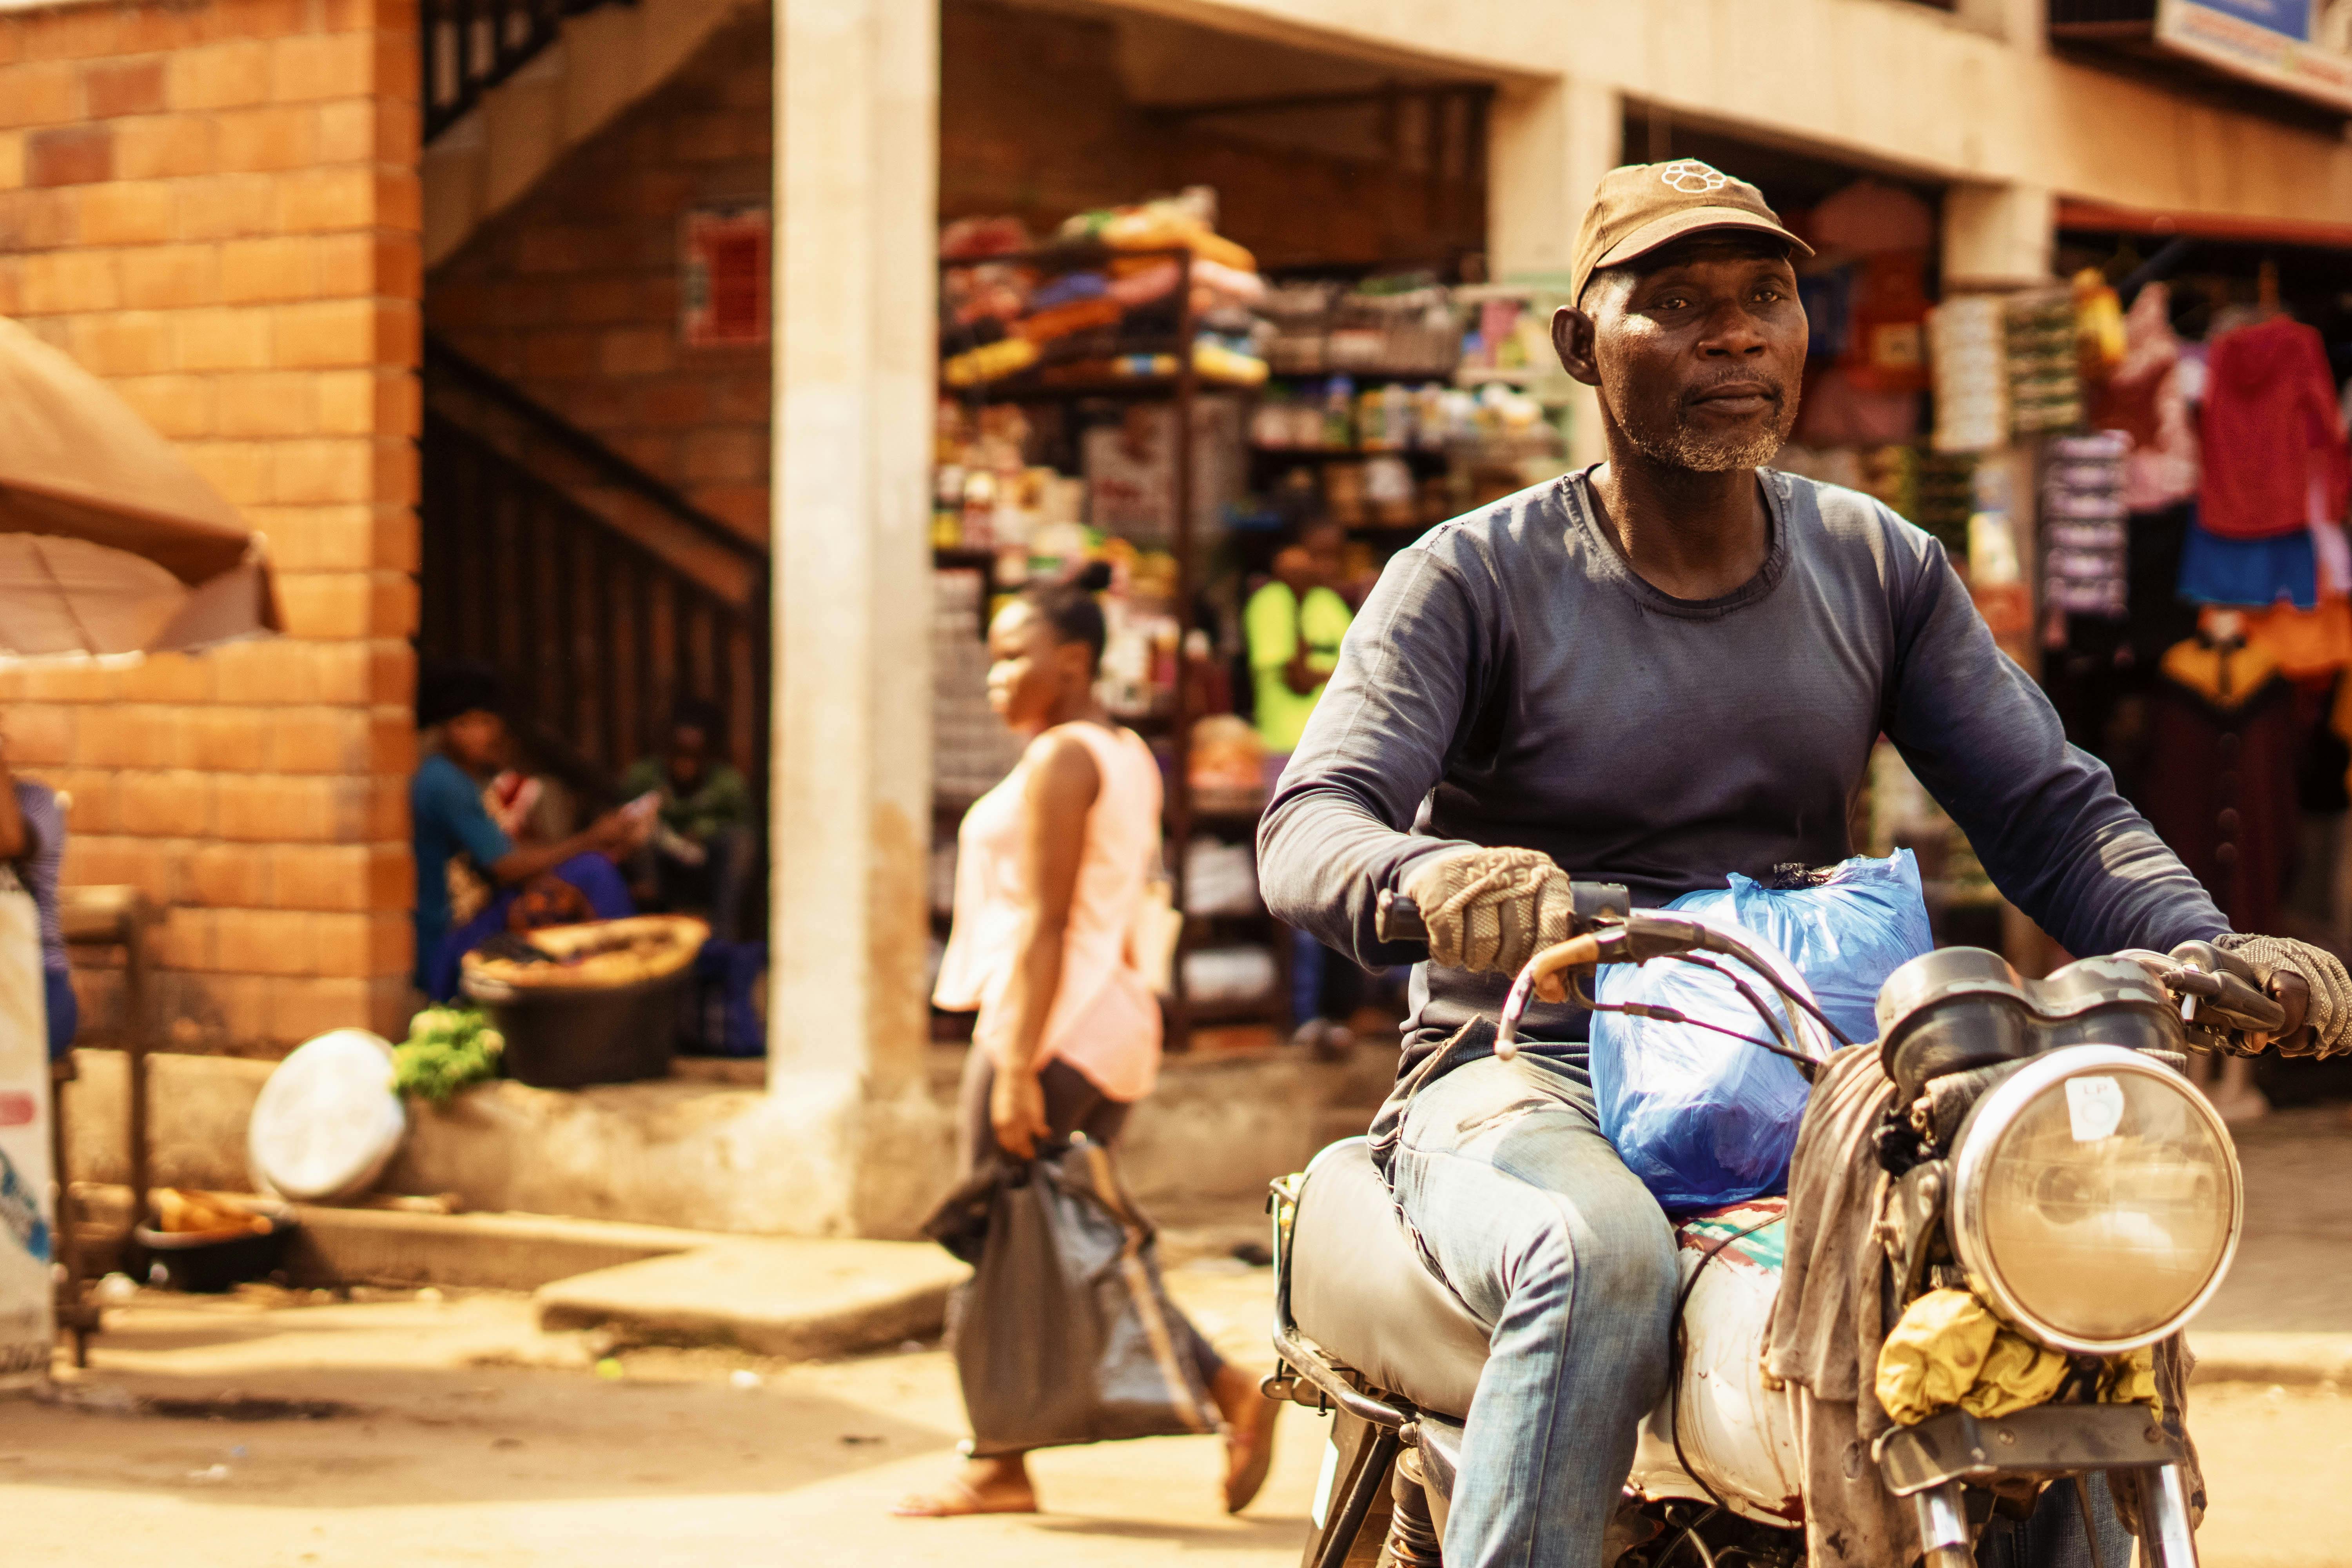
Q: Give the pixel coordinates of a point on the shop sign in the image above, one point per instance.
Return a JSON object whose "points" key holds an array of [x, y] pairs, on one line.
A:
{"points": [[2303, 46], [723, 293]]}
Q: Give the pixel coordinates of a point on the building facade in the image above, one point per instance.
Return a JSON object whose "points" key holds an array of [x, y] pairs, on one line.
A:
{"points": [[250, 215]]}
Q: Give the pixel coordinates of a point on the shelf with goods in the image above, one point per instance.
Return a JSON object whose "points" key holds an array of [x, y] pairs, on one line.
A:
{"points": [[1050, 453], [1182, 438]]}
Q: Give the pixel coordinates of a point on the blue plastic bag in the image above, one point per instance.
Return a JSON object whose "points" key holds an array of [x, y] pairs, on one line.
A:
{"points": [[1705, 1119]]}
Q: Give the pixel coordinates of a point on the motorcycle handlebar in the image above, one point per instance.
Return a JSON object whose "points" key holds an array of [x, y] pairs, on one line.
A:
{"points": [[1396, 917], [2218, 986]]}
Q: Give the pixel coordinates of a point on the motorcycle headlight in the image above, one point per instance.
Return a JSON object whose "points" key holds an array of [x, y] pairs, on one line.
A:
{"points": [[2096, 1199]]}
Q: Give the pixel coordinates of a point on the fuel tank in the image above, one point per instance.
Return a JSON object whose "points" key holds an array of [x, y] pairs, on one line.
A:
{"points": [[1738, 1437]]}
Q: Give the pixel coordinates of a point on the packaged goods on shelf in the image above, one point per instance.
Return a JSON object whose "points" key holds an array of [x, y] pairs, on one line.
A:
{"points": [[1130, 468], [971, 747], [1996, 568], [1227, 757], [2045, 390], [1969, 356], [1229, 974], [2083, 526], [1889, 473], [1220, 878], [1402, 328], [1944, 487], [1139, 663], [1507, 336]]}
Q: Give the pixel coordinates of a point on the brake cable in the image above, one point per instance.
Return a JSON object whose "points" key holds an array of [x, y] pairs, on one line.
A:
{"points": [[1675, 1015], [1781, 1031]]}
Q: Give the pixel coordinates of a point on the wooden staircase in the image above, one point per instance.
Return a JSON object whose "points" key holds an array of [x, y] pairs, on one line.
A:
{"points": [[600, 595]]}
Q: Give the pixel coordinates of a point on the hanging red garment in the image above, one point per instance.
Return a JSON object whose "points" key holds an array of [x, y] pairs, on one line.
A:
{"points": [[2271, 429]]}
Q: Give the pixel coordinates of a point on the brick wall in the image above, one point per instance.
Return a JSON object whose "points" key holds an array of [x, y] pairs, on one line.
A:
{"points": [[572, 293], [212, 205]]}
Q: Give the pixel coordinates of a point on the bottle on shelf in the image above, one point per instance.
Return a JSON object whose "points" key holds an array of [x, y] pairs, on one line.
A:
{"points": [[1339, 414]]}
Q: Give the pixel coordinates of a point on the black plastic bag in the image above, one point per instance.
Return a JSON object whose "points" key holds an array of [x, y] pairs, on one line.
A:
{"points": [[1064, 1333]]}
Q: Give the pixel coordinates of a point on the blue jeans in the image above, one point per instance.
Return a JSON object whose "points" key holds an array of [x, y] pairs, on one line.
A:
{"points": [[1538, 1226]]}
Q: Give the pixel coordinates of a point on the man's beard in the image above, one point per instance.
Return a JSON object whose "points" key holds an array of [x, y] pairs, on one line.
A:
{"points": [[1678, 443]]}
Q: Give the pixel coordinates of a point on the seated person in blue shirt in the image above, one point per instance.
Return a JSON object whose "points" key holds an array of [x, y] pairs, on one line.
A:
{"points": [[500, 885], [33, 842]]}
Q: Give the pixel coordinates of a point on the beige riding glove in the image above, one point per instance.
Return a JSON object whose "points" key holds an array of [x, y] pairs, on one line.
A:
{"points": [[1491, 909], [2325, 1027]]}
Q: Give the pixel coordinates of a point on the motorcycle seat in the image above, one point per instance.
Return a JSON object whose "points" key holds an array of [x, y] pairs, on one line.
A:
{"points": [[1360, 1290]]}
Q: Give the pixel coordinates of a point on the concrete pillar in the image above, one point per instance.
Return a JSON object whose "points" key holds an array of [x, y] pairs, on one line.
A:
{"points": [[1548, 146], [857, 174], [1998, 236]]}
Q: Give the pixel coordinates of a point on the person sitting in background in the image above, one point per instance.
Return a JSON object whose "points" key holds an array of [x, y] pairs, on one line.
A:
{"points": [[472, 879], [701, 850], [1294, 626], [33, 842]]}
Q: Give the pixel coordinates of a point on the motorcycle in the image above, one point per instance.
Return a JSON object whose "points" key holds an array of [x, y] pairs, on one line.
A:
{"points": [[2046, 1152]]}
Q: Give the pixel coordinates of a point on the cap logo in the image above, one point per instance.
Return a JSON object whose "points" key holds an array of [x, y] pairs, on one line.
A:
{"points": [[1693, 178]]}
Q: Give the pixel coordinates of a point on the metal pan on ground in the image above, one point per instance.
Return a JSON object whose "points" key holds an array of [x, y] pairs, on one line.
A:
{"points": [[329, 1119]]}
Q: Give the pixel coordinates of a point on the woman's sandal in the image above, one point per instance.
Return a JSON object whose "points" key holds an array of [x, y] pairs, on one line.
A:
{"points": [[1248, 1455]]}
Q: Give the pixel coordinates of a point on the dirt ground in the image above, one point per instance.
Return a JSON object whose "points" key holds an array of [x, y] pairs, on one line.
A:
{"points": [[466, 1437], [455, 1433]]}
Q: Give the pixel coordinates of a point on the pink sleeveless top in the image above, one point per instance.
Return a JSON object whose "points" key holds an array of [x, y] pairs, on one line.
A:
{"points": [[1105, 1020]]}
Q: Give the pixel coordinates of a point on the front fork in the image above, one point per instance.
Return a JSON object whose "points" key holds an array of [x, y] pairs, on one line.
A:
{"points": [[1945, 1540]]}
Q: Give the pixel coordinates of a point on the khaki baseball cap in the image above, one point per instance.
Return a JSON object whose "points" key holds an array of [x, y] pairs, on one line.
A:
{"points": [[1642, 207]]}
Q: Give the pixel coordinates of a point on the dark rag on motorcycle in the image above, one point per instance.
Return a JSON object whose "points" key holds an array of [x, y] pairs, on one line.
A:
{"points": [[1657, 671]]}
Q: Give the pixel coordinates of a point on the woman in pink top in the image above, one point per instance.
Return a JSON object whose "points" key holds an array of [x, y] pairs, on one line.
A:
{"points": [[1052, 869]]}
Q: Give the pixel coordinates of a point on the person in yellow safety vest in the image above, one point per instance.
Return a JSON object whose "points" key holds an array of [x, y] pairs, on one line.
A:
{"points": [[1293, 626]]}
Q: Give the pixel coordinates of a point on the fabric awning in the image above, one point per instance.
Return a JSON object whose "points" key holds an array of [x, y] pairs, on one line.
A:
{"points": [[110, 542]]}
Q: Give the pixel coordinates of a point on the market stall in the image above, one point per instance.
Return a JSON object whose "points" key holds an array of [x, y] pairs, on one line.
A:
{"points": [[112, 546], [2196, 633], [1134, 390]]}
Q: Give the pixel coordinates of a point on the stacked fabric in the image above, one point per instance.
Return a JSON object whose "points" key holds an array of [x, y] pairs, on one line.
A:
{"points": [[1015, 310], [2085, 535]]}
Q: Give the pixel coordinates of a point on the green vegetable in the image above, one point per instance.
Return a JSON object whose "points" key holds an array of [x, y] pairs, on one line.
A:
{"points": [[447, 1049]]}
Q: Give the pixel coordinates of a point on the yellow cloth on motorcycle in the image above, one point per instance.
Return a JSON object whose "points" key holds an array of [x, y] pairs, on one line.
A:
{"points": [[2131, 1380], [1948, 1350]]}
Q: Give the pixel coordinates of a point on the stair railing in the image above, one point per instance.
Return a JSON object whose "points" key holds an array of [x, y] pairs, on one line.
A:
{"points": [[467, 47], [594, 633]]}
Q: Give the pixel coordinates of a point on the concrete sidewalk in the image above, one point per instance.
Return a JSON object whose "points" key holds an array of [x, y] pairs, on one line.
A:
{"points": [[2284, 1315], [801, 1299]]}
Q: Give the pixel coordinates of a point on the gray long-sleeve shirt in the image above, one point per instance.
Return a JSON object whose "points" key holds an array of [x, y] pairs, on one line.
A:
{"points": [[1512, 681]]}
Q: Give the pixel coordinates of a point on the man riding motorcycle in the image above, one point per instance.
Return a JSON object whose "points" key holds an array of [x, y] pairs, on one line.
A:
{"points": [[1655, 672]]}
